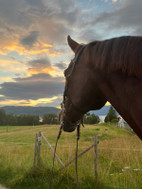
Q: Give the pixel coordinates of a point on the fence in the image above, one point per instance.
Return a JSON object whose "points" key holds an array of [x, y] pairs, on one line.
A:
{"points": [[37, 150]]}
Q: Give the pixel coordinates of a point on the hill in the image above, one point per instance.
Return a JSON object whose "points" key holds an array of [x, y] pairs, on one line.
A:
{"points": [[102, 112], [28, 110]]}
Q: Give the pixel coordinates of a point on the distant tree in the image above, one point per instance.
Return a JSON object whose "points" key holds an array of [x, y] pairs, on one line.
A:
{"points": [[111, 116], [27, 120], [91, 119], [2, 117], [11, 119], [50, 119]]}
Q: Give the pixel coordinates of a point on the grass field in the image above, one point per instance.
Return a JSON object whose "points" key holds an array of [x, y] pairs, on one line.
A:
{"points": [[119, 165]]}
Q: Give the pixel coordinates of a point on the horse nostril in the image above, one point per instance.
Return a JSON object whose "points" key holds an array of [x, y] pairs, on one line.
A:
{"points": [[67, 126]]}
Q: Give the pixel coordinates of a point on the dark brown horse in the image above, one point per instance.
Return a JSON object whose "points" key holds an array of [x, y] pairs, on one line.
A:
{"points": [[109, 70]]}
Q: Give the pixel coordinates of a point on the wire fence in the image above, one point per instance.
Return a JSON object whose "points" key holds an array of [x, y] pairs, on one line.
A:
{"points": [[66, 146], [36, 158]]}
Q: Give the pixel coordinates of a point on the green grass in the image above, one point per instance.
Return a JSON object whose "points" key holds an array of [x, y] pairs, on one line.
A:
{"points": [[118, 165]]}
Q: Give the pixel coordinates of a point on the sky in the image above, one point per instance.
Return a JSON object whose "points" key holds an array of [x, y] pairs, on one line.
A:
{"points": [[33, 45]]}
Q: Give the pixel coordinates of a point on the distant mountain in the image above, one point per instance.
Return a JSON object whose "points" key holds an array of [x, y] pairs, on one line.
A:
{"points": [[102, 112], [28, 110]]}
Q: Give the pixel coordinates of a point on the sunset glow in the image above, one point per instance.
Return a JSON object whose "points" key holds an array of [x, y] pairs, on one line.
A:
{"points": [[33, 47], [29, 102]]}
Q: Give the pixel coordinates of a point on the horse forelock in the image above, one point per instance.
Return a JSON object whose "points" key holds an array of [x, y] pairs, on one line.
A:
{"points": [[123, 53]]}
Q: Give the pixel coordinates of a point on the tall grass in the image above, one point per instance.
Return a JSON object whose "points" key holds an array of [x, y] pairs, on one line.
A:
{"points": [[119, 166]]}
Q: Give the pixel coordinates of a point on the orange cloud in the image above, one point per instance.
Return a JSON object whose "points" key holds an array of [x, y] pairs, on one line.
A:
{"points": [[5, 79], [27, 102], [42, 70], [38, 48], [11, 66]]}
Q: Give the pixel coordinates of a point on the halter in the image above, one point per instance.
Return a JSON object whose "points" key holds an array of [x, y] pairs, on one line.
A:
{"points": [[66, 95]]}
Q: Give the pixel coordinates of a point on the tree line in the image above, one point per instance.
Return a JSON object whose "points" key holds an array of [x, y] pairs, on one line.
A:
{"points": [[23, 120], [111, 117], [10, 119]]}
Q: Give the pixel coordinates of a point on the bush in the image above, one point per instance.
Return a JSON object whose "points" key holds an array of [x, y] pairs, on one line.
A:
{"points": [[91, 119], [114, 121]]}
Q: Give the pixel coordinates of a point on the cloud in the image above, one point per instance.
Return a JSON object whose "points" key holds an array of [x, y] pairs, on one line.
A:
{"points": [[50, 21], [32, 23], [41, 65], [5, 79], [34, 87], [7, 66], [37, 48], [61, 66], [31, 39], [55, 101], [35, 3], [15, 13], [126, 19], [36, 26]]}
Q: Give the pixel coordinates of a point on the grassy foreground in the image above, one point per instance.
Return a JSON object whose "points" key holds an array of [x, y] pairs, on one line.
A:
{"points": [[119, 166]]}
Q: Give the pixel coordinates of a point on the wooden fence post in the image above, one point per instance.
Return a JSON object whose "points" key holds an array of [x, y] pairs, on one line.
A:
{"points": [[39, 141], [35, 151], [96, 155], [39, 145]]}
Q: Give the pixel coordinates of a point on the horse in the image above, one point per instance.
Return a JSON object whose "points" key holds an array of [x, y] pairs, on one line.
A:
{"points": [[101, 71]]}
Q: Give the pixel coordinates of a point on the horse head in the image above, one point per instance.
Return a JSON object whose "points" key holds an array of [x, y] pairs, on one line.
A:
{"points": [[81, 93]]}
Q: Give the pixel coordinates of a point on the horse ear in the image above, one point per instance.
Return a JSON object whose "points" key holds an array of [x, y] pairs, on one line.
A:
{"points": [[73, 44]]}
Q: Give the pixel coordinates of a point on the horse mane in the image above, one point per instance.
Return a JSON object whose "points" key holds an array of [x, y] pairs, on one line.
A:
{"points": [[123, 53]]}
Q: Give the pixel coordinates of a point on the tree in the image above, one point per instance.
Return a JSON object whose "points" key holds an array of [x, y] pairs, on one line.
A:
{"points": [[50, 119], [111, 116], [91, 119], [27, 120], [11, 119], [2, 117]]}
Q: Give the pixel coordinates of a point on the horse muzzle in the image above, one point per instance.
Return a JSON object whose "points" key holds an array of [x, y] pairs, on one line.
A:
{"points": [[68, 126]]}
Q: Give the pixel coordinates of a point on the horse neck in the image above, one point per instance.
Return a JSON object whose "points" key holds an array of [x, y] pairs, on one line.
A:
{"points": [[125, 94]]}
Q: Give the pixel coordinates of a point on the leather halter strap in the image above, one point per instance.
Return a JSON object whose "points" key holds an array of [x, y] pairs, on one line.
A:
{"points": [[76, 58], [66, 93]]}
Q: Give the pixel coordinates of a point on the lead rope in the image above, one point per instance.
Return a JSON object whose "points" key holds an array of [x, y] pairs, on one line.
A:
{"points": [[76, 170], [51, 174]]}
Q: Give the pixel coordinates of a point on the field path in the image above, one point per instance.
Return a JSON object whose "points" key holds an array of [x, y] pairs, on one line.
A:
{"points": [[2, 187]]}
